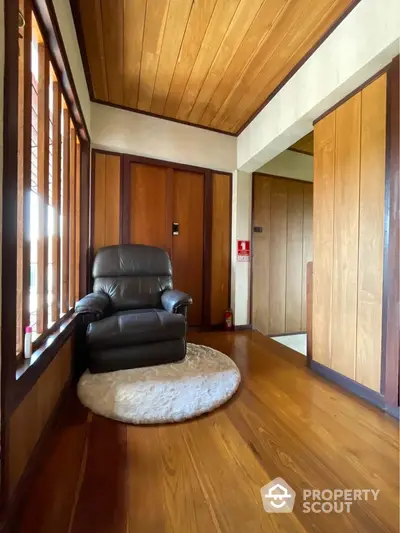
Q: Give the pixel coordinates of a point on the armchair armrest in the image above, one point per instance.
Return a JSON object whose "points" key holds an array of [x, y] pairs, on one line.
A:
{"points": [[172, 300], [94, 303]]}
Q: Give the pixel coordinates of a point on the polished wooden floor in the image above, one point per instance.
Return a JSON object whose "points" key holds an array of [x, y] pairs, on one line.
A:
{"points": [[205, 475]]}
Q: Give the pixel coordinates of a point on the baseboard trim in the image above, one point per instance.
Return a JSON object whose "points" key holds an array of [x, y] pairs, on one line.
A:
{"points": [[22, 487], [372, 397], [243, 327]]}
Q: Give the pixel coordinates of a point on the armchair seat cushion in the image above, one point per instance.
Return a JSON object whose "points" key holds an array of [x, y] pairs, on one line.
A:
{"points": [[140, 326]]}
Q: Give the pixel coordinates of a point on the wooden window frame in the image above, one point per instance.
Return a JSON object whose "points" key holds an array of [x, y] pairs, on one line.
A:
{"points": [[18, 377]]}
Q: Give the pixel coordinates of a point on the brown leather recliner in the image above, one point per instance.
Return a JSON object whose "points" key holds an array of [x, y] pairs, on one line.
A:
{"points": [[137, 319]]}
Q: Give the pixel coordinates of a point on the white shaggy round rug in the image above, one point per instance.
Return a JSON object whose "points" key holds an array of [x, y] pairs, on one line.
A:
{"points": [[201, 382]]}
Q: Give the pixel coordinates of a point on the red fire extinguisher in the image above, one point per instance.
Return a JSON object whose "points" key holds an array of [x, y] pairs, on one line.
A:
{"points": [[228, 320]]}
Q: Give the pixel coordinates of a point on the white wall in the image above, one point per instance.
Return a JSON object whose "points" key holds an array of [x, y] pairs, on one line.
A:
{"points": [[67, 28], [290, 164], [360, 46], [241, 230], [137, 134]]}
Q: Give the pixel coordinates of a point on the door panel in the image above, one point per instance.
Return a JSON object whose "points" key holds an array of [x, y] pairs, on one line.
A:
{"points": [[150, 211], [187, 246], [282, 246]]}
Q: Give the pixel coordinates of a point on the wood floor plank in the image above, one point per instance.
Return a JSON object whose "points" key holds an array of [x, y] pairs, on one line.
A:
{"points": [[206, 474], [101, 505]]}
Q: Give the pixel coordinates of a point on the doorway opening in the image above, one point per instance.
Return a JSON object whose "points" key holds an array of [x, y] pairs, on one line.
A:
{"points": [[282, 244]]}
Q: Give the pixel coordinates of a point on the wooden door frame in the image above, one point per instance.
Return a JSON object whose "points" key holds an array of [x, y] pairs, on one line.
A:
{"points": [[125, 210]]}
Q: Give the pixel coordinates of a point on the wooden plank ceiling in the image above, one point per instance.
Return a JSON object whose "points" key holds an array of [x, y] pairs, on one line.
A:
{"points": [[305, 145], [208, 62]]}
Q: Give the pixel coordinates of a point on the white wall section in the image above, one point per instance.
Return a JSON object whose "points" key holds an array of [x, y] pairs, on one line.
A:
{"points": [[134, 133], [67, 28], [290, 164], [241, 230], [364, 43]]}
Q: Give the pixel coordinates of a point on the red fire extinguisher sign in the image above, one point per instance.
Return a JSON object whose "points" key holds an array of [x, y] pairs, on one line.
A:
{"points": [[243, 251]]}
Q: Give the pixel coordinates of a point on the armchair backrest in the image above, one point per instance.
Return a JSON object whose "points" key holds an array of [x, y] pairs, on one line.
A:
{"points": [[133, 275]]}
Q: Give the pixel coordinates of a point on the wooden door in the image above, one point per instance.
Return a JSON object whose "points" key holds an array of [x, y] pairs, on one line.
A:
{"points": [[282, 246], [187, 245], [150, 211]]}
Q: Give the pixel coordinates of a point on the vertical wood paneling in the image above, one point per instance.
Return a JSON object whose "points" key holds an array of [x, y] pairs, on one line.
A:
{"points": [[284, 245], [323, 214], [294, 257], [221, 246], [29, 419], [112, 200], [370, 257], [345, 236], [149, 211], [307, 247], [261, 253], [106, 200], [278, 257], [99, 201], [187, 247], [349, 194]]}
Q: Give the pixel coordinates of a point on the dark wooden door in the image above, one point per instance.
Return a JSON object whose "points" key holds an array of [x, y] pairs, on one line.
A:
{"points": [[187, 245]]}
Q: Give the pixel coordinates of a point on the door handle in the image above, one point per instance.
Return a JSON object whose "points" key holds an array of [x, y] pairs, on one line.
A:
{"points": [[175, 228]]}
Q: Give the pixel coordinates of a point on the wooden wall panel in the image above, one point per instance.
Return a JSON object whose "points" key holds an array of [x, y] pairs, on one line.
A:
{"points": [[187, 247], [307, 247], [106, 223], [349, 187], [278, 257], [261, 251], [345, 236], [324, 171], [370, 257], [31, 416], [282, 209], [149, 209], [294, 274], [156, 195], [221, 246]]}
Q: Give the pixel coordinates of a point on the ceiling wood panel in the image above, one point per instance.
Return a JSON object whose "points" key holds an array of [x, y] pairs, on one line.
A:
{"points": [[282, 60], [199, 19], [134, 17], [90, 12], [305, 145], [154, 27], [212, 63], [112, 14], [178, 16], [217, 29]]}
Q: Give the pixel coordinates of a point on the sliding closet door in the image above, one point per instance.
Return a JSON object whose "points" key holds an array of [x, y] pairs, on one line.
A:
{"points": [[149, 206], [187, 243]]}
